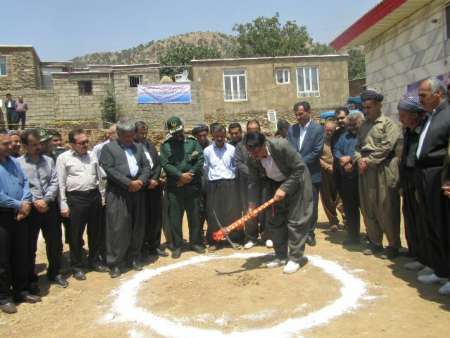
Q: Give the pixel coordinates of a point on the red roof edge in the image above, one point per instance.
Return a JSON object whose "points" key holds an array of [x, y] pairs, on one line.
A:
{"points": [[366, 21]]}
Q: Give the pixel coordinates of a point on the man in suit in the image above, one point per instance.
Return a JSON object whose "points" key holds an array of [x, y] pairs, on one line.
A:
{"points": [[307, 137], [277, 167], [430, 156], [127, 173], [153, 225]]}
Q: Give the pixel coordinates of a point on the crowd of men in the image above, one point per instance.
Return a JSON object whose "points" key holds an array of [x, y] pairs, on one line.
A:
{"points": [[125, 193]]}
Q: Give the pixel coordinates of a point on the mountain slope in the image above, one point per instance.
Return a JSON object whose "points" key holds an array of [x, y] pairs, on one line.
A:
{"points": [[148, 52]]}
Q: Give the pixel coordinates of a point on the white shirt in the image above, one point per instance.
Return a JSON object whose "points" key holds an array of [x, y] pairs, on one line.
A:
{"points": [[272, 170], [219, 162], [97, 150], [149, 158], [424, 134], [132, 162], [303, 134], [76, 173]]}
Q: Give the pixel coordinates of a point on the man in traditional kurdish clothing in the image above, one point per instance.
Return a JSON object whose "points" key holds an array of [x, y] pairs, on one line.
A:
{"points": [[378, 176], [413, 117]]}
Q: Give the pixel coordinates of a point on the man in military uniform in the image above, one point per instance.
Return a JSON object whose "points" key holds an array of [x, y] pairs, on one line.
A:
{"points": [[182, 160], [378, 176]]}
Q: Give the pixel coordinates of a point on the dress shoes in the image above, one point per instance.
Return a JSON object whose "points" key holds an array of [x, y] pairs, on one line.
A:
{"points": [[8, 307], [98, 267], [59, 281], [198, 249], [34, 288], [79, 275], [114, 272], [373, 249], [161, 252], [176, 253], [136, 266], [26, 297]]}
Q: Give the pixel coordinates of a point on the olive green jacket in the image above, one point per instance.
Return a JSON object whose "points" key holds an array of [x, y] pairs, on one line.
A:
{"points": [[178, 157]]}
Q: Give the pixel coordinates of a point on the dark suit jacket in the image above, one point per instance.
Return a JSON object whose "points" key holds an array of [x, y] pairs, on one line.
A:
{"points": [[311, 148], [156, 170], [114, 162], [290, 164], [435, 145]]}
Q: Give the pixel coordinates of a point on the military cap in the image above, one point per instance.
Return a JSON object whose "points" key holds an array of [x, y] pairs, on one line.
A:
{"points": [[44, 135], [174, 124]]}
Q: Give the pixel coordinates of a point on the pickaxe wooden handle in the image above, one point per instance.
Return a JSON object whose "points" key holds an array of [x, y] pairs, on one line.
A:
{"points": [[221, 234]]}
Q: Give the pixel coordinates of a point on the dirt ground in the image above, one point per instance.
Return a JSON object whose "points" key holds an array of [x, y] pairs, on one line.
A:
{"points": [[227, 295]]}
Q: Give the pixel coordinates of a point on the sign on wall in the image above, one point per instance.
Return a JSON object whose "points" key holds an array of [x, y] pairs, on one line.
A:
{"points": [[166, 93], [413, 88]]}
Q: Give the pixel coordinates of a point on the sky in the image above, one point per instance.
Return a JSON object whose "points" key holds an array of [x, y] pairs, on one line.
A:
{"points": [[61, 29]]}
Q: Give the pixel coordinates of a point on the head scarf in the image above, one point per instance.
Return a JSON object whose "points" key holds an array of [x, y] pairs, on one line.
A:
{"points": [[410, 104], [371, 94]]}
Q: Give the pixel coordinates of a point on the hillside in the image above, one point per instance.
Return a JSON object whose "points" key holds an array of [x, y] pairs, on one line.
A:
{"points": [[148, 52]]}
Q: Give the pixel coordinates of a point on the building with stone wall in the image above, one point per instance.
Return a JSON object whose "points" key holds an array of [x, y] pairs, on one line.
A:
{"points": [[20, 68], [405, 41], [224, 90], [240, 89]]}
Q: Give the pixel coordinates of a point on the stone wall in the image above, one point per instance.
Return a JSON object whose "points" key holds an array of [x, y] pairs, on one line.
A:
{"points": [[412, 50], [263, 93], [23, 69], [41, 104], [70, 105], [154, 114]]}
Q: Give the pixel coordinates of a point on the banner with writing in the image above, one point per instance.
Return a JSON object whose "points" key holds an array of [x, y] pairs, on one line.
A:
{"points": [[167, 93]]}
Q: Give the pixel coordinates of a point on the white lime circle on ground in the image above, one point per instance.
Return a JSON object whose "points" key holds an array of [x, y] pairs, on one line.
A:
{"points": [[125, 309]]}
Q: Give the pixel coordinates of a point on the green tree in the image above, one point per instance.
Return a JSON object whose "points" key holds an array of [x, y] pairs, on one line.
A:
{"points": [[356, 64], [267, 37], [109, 107], [181, 54]]}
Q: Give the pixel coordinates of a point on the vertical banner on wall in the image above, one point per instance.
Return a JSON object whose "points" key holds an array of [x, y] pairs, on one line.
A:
{"points": [[167, 93]]}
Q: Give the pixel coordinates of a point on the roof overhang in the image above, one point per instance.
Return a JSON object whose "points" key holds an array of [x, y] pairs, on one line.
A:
{"points": [[271, 59], [376, 21]]}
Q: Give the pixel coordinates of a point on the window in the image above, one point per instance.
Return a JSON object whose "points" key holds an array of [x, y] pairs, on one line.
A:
{"points": [[283, 76], [308, 81], [135, 80], [3, 66], [85, 87], [235, 85]]}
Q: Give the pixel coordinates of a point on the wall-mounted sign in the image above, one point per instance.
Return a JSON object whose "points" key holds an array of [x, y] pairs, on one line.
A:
{"points": [[167, 93]]}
